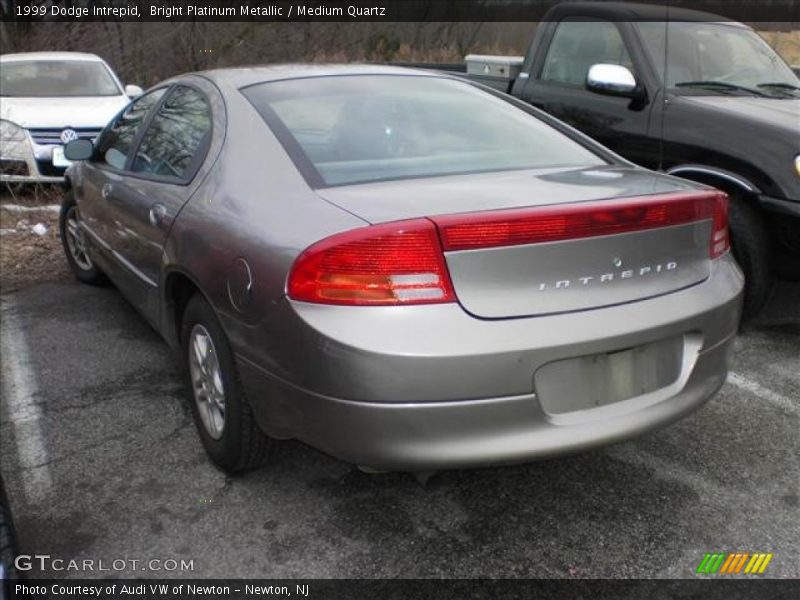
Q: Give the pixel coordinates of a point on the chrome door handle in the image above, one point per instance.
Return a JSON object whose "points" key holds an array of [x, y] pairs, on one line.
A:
{"points": [[105, 192], [157, 214]]}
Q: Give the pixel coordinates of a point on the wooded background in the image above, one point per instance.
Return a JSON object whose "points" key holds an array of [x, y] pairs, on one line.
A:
{"points": [[145, 53]]}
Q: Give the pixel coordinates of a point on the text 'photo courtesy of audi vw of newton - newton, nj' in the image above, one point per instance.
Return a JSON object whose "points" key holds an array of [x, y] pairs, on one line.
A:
{"points": [[48, 100], [403, 269]]}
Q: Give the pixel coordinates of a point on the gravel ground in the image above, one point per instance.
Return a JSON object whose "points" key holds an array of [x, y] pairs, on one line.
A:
{"points": [[30, 246]]}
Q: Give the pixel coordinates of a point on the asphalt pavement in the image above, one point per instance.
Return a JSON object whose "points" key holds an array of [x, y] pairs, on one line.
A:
{"points": [[102, 463]]}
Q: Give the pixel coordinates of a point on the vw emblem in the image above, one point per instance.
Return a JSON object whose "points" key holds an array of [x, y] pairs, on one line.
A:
{"points": [[617, 262], [68, 135]]}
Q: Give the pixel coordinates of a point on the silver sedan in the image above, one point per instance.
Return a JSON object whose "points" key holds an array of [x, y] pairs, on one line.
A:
{"points": [[402, 269]]}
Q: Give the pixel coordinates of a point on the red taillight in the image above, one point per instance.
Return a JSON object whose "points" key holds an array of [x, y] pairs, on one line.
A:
{"points": [[720, 239], [586, 219], [395, 263]]}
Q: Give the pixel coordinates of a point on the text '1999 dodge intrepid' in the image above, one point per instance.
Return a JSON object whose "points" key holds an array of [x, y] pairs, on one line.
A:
{"points": [[403, 269]]}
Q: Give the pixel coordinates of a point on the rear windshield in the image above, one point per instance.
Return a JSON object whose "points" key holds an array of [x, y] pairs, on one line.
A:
{"points": [[356, 129], [54, 78]]}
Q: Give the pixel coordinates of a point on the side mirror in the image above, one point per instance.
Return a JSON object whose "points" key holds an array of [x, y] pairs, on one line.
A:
{"points": [[612, 80], [133, 91], [79, 150]]}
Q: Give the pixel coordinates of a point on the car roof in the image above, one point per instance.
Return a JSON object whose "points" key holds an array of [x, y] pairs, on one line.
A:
{"points": [[83, 56], [632, 11], [240, 77]]}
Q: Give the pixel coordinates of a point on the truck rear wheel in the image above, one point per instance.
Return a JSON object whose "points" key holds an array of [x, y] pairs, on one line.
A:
{"points": [[787, 259], [751, 247]]}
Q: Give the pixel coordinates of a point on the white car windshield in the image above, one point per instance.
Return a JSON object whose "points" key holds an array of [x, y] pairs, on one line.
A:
{"points": [[56, 78]]}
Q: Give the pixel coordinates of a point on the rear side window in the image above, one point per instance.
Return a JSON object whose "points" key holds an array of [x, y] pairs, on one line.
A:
{"points": [[577, 45], [176, 139], [114, 144], [354, 129]]}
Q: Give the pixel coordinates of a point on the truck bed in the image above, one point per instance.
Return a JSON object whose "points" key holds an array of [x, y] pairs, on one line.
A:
{"points": [[498, 72]]}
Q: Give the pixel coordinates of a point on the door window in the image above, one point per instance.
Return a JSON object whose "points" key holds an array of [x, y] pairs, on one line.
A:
{"points": [[115, 143], [577, 45], [175, 141]]}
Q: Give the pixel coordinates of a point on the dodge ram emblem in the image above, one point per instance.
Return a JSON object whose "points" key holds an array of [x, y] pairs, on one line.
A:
{"points": [[68, 135]]}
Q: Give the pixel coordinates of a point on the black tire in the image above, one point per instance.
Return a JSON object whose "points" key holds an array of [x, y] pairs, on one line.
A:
{"points": [[242, 445], [787, 257], [787, 265], [751, 244], [79, 261], [8, 543]]}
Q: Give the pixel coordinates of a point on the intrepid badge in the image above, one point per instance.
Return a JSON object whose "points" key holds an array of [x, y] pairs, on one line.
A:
{"points": [[644, 271]]}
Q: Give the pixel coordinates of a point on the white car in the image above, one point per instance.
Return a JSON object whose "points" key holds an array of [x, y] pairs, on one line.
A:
{"points": [[48, 99]]}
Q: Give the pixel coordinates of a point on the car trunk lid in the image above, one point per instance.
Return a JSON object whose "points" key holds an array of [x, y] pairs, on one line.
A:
{"points": [[630, 236]]}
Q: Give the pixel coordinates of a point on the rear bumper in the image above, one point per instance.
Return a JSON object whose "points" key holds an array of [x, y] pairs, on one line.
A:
{"points": [[455, 424], [494, 431]]}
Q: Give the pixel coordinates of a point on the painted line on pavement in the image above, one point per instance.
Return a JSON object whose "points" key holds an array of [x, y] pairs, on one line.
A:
{"points": [[759, 390], [20, 393]]}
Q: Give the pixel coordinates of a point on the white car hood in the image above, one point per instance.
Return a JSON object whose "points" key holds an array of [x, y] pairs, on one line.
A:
{"points": [[90, 112]]}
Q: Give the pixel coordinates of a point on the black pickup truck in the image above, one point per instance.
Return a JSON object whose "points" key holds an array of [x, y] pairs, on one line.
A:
{"points": [[683, 92]]}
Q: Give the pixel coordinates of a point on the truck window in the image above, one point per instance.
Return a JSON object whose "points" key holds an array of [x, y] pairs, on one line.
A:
{"points": [[577, 45]]}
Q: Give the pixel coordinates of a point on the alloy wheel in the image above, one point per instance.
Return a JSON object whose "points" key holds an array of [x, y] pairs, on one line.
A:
{"points": [[207, 387], [76, 242]]}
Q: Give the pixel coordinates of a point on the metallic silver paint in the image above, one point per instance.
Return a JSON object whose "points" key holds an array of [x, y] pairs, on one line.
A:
{"points": [[406, 387], [579, 274], [440, 389]]}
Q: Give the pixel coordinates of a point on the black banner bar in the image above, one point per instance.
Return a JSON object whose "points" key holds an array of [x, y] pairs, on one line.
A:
{"points": [[708, 588], [783, 11]]}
